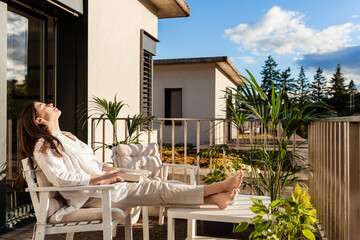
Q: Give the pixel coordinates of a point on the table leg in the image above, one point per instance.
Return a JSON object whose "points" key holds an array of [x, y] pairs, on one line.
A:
{"points": [[171, 227], [191, 228]]}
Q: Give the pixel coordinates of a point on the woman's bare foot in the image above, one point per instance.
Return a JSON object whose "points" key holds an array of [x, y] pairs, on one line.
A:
{"points": [[233, 182], [222, 200], [225, 186]]}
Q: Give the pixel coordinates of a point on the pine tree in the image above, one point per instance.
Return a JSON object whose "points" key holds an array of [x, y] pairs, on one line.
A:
{"points": [[271, 75], [340, 98], [302, 85], [318, 87], [287, 84], [352, 88], [337, 81], [352, 91]]}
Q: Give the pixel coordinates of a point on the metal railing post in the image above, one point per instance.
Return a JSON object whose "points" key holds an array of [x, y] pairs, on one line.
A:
{"points": [[185, 147]]}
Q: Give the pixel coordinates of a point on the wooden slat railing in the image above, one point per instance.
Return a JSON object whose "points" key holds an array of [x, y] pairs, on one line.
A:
{"points": [[334, 154]]}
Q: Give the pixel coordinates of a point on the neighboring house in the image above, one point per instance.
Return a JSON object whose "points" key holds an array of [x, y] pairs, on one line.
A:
{"points": [[193, 88], [65, 51]]}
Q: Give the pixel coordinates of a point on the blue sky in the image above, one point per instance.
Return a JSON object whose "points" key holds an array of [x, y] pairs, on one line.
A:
{"points": [[317, 33]]}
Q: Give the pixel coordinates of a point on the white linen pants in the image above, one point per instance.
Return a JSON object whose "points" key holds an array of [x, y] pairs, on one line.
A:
{"points": [[153, 192]]}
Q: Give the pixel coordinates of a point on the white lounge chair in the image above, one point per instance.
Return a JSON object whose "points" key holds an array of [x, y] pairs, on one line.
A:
{"points": [[82, 220], [147, 157]]}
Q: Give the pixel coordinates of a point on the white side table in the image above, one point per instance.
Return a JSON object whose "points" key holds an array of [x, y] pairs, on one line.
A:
{"points": [[236, 213]]}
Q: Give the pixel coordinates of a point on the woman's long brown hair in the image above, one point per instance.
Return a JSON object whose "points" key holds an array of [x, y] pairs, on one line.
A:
{"points": [[29, 132]]}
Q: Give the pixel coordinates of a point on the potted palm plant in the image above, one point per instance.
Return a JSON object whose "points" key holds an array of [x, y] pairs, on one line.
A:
{"points": [[104, 109], [277, 165]]}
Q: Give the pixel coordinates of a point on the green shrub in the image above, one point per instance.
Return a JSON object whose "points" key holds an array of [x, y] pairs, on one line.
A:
{"points": [[290, 218]]}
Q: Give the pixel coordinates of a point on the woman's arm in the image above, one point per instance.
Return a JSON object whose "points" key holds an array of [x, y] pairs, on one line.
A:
{"points": [[108, 168], [109, 177]]}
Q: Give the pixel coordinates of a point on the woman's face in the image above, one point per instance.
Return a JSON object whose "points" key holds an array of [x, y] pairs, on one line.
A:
{"points": [[47, 112]]}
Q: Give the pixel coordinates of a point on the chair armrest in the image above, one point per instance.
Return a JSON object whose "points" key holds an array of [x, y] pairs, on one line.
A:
{"points": [[180, 165], [72, 188], [136, 171]]}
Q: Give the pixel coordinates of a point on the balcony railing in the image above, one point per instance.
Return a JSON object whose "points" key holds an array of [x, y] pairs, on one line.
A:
{"points": [[200, 132], [334, 153]]}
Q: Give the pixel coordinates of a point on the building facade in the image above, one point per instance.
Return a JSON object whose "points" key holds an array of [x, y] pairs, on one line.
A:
{"points": [[193, 88], [66, 51]]}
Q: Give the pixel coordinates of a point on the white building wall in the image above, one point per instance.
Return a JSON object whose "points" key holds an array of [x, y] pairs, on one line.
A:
{"points": [[222, 81], [114, 53], [198, 97]]}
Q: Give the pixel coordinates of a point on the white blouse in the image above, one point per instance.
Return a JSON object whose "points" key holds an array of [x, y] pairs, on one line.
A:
{"points": [[73, 169]]}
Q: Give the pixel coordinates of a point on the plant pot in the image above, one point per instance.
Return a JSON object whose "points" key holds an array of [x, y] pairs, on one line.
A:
{"points": [[217, 229]]}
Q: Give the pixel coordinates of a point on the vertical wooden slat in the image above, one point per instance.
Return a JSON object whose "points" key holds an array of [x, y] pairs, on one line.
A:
{"points": [[341, 232], [237, 138], [347, 180], [9, 150], [331, 200], [173, 146], [93, 133], [149, 132], [224, 141], [336, 182], [251, 133], [126, 130], [185, 147], [103, 140], [161, 139], [211, 141], [326, 177], [198, 148], [115, 132]]}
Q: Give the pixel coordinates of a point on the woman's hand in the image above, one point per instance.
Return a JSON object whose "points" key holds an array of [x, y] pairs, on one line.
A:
{"points": [[109, 177], [108, 168]]}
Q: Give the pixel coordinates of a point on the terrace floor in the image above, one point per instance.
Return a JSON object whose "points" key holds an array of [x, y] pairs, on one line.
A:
{"points": [[157, 232], [25, 232]]}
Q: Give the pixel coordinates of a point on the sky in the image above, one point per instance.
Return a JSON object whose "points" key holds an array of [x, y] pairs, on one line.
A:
{"points": [[308, 33]]}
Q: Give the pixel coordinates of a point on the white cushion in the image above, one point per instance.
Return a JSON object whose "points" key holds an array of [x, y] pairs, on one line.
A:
{"points": [[88, 214], [55, 200], [140, 156]]}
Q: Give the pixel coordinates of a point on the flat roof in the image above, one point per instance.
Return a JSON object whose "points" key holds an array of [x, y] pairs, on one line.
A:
{"points": [[223, 62], [171, 8]]}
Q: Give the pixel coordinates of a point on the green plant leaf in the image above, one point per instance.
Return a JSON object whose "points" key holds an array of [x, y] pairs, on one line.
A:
{"points": [[255, 209], [275, 203], [257, 201], [241, 227], [308, 234]]}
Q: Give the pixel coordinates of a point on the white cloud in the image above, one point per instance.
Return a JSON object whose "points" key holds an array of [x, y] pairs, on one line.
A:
{"points": [[355, 16], [284, 32], [247, 59]]}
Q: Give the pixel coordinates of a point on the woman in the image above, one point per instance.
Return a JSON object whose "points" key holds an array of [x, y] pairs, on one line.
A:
{"points": [[66, 161]]}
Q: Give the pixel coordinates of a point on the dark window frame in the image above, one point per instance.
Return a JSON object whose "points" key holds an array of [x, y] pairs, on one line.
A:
{"points": [[167, 105]]}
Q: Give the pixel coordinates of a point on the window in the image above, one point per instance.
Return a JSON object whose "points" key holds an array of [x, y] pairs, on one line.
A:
{"points": [[146, 88], [148, 50], [173, 104]]}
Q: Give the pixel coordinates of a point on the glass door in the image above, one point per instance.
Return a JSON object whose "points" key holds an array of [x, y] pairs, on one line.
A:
{"points": [[30, 76]]}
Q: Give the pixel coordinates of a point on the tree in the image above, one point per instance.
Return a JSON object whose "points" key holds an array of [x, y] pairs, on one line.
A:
{"points": [[302, 85], [352, 88], [337, 81], [352, 91], [271, 75], [339, 99], [318, 87], [287, 84]]}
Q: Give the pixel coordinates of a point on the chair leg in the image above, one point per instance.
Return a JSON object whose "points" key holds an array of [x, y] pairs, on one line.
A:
{"points": [[114, 230], [70, 236], [40, 232], [128, 228], [145, 218], [161, 215]]}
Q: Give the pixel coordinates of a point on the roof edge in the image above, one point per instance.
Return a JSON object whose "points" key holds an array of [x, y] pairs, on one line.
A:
{"points": [[171, 8], [222, 62]]}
